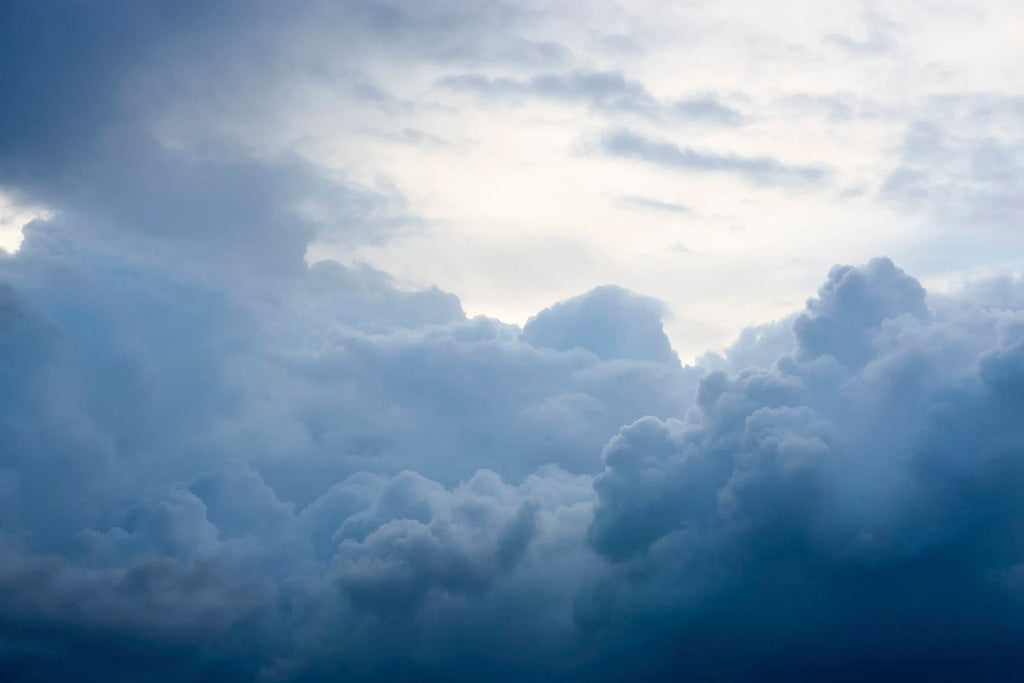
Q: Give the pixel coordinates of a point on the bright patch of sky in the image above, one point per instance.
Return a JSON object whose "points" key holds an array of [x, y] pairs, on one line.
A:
{"points": [[718, 156], [13, 218]]}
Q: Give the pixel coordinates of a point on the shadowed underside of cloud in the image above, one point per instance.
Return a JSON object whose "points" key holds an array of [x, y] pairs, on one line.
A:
{"points": [[758, 170]]}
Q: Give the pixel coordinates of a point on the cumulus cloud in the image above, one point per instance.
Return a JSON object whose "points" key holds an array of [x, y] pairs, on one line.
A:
{"points": [[867, 479], [220, 462], [275, 489], [609, 321]]}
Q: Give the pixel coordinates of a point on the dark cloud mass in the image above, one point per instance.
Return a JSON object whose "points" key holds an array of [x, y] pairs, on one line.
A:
{"points": [[220, 463], [370, 485]]}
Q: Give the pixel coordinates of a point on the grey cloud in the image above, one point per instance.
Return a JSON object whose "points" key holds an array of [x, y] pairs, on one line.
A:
{"points": [[606, 91], [449, 32], [851, 306], [836, 107], [880, 37], [756, 346], [252, 438], [759, 170], [459, 543], [961, 165], [882, 490], [219, 463], [877, 42], [646, 203], [414, 136], [840, 107], [706, 109], [609, 321], [210, 456], [102, 168], [621, 43]]}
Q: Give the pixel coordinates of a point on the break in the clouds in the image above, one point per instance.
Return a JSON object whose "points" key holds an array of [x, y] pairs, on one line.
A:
{"points": [[255, 425]]}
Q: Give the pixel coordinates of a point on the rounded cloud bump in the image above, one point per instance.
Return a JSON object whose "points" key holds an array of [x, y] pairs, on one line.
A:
{"points": [[609, 321]]}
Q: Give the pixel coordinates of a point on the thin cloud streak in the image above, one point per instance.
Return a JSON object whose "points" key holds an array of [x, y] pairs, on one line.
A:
{"points": [[762, 170]]}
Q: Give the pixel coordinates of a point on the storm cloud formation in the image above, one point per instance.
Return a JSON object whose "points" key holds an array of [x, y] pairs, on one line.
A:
{"points": [[218, 462], [371, 485]]}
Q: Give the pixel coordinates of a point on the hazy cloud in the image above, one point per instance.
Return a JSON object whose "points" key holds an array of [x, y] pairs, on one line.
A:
{"points": [[648, 204], [606, 91], [759, 170]]}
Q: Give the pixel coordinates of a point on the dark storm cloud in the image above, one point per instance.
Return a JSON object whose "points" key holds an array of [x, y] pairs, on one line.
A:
{"points": [[759, 170], [609, 321], [84, 85], [836, 512], [192, 487], [879, 30], [219, 463]]}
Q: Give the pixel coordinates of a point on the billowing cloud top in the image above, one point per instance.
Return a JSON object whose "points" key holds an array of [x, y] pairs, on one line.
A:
{"points": [[220, 461]]}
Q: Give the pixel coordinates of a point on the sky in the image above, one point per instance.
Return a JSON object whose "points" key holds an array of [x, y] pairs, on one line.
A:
{"points": [[522, 340]]}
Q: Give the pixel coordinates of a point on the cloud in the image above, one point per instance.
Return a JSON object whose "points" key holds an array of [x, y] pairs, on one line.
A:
{"points": [[601, 90], [220, 462], [961, 164], [645, 203], [274, 489], [605, 91], [883, 489], [880, 32], [758, 170], [609, 321]]}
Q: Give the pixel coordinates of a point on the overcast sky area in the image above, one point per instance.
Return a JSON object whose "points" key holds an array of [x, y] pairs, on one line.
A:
{"points": [[511, 341]]}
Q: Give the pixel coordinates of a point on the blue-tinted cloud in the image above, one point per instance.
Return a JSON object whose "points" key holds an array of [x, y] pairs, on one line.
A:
{"points": [[219, 462], [794, 501], [759, 170], [609, 321], [646, 203], [606, 91], [192, 485]]}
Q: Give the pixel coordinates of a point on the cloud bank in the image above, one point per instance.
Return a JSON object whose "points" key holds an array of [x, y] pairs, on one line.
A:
{"points": [[219, 462], [355, 480]]}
